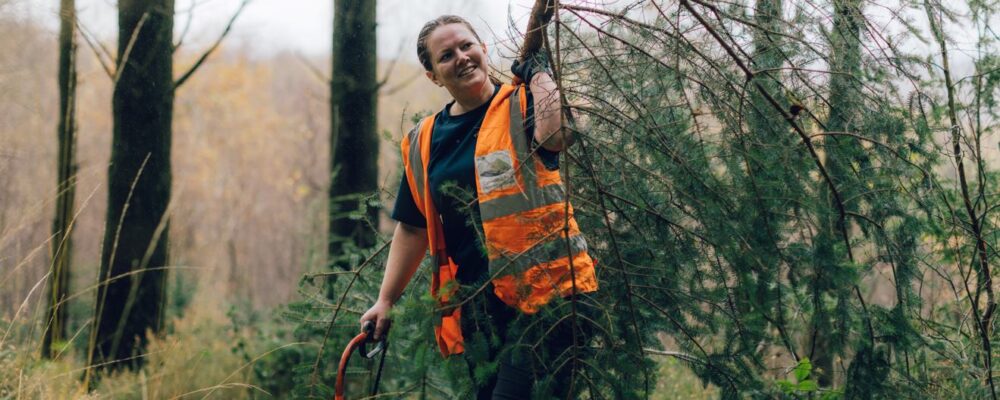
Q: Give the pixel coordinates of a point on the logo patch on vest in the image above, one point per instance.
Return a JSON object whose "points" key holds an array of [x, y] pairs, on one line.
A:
{"points": [[495, 171]]}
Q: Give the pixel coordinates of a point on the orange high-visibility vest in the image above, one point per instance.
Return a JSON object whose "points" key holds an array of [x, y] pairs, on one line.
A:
{"points": [[524, 214]]}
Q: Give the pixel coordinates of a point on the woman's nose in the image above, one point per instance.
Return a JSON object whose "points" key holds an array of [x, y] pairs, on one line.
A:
{"points": [[463, 56]]}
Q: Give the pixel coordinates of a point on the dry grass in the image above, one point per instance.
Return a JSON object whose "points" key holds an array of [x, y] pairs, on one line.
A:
{"points": [[24, 376], [195, 360]]}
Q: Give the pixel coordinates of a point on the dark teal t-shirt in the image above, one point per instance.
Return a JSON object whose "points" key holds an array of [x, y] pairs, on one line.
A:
{"points": [[452, 178]]}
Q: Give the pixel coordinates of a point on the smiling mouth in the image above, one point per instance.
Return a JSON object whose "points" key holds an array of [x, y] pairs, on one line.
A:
{"points": [[467, 71]]}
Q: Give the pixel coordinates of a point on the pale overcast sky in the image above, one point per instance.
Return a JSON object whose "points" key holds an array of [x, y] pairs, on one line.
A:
{"points": [[303, 26]]}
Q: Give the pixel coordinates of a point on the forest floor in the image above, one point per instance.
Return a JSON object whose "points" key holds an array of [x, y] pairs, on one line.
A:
{"points": [[207, 353]]}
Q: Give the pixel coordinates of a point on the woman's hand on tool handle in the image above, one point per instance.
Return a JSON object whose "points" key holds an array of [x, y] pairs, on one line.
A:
{"points": [[409, 244]]}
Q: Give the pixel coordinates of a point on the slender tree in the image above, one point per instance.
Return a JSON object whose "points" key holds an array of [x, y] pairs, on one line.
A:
{"points": [[132, 277], [974, 219], [62, 244], [353, 136], [772, 166], [829, 248]]}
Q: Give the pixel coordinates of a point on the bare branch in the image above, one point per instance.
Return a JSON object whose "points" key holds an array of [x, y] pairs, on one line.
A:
{"points": [[100, 52], [201, 60]]}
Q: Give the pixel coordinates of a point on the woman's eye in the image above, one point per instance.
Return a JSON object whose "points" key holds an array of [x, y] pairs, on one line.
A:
{"points": [[466, 46]]}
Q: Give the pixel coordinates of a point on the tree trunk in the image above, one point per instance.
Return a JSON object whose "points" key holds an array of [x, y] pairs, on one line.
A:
{"points": [[62, 244], [130, 299], [353, 136]]}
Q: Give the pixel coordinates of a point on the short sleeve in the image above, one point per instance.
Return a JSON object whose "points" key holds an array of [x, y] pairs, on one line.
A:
{"points": [[406, 210], [549, 158]]}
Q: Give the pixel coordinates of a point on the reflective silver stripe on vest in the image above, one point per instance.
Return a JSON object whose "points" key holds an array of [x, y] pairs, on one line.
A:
{"points": [[520, 139], [416, 163], [516, 203], [549, 250]]}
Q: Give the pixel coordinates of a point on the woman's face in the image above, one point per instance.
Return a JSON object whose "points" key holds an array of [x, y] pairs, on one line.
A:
{"points": [[458, 60]]}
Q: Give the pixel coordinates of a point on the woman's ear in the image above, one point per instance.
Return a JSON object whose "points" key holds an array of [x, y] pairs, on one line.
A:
{"points": [[430, 75]]}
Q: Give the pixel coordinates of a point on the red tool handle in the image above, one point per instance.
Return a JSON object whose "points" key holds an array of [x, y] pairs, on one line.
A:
{"points": [[354, 343]]}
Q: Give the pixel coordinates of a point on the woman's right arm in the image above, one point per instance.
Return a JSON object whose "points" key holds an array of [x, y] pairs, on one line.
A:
{"points": [[409, 244]]}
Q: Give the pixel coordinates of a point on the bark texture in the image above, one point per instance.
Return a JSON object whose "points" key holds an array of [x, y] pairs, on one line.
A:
{"points": [[353, 135], [133, 276]]}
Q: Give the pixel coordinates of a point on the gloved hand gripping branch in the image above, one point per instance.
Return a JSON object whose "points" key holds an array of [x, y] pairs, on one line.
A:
{"points": [[531, 65], [532, 59]]}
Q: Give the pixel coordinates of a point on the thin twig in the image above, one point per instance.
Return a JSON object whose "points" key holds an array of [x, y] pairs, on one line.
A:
{"points": [[204, 56]]}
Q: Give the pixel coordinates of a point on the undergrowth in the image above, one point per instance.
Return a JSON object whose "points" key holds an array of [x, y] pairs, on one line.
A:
{"points": [[217, 352]]}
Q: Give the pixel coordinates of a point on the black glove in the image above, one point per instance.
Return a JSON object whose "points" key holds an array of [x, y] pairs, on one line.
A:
{"points": [[532, 65]]}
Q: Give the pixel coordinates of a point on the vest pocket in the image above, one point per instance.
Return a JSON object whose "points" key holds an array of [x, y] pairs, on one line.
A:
{"points": [[495, 171]]}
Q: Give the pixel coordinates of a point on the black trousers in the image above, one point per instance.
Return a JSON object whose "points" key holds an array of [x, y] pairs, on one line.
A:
{"points": [[511, 355]]}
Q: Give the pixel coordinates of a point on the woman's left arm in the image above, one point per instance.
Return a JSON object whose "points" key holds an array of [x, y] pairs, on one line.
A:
{"points": [[548, 113]]}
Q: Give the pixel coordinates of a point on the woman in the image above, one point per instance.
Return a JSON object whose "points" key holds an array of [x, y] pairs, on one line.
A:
{"points": [[482, 191]]}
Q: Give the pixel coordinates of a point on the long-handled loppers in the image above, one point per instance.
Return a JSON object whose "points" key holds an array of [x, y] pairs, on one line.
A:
{"points": [[359, 342]]}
